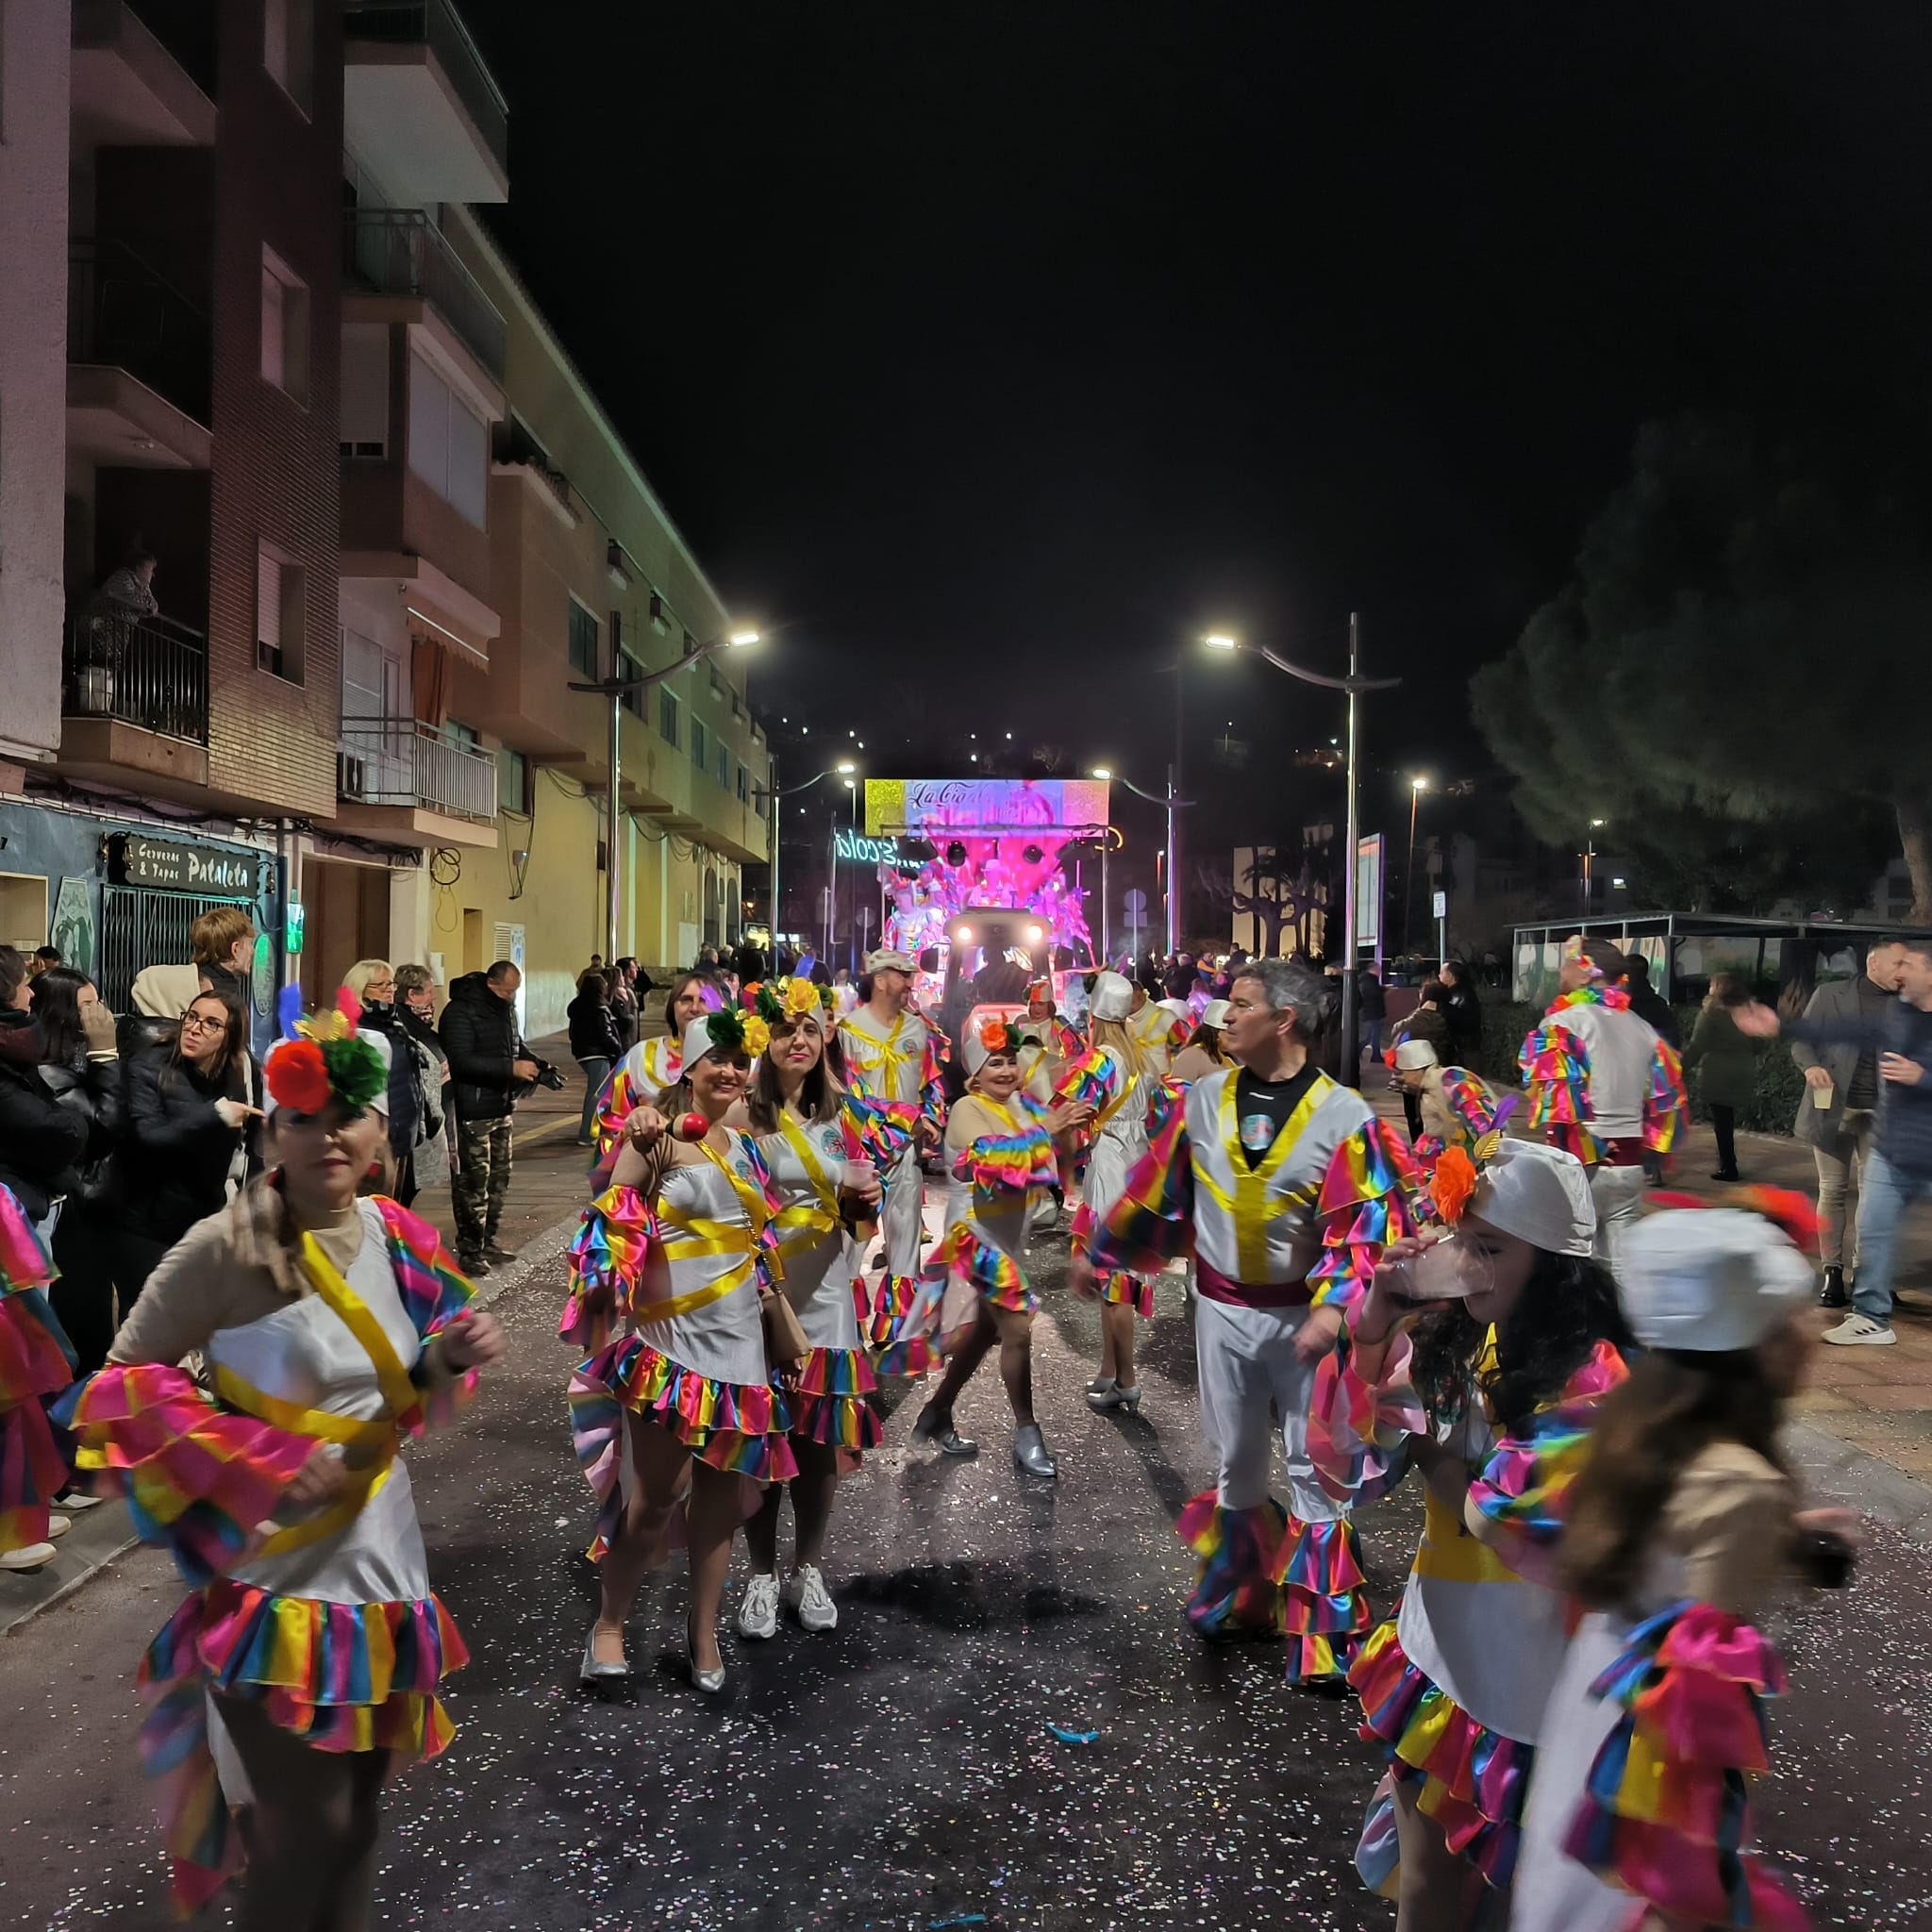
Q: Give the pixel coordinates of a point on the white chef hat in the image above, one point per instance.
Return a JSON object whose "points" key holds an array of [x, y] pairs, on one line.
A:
{"points": [[973, 1043], [1538, 1193], [697, 1042], [1412, 1055], [1710, 1280], [1113, 997], [1215, 1014], [1179, 1009]]}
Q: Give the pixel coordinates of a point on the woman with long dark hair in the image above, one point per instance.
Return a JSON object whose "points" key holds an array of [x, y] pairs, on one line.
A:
{"points": [[1452, 1687], [1725, 1065], [594, 1042], [1683, 1526], [794, 1108], [652, 1067], [39, 1140]]}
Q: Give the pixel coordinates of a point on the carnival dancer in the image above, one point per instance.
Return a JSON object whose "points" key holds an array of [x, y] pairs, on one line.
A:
{"points": [[36, 1362], [1458, 1108], [332, 1327], [682, 1245], [1157, 1032], [893, 1074], [1202, 1056], [1602, 1085], [1047, 1046], [794, 1107], [1682, 1528], [974, 1292], [1108, 1078], [1289, 1188], [652, 1066], [1479, 1362]]}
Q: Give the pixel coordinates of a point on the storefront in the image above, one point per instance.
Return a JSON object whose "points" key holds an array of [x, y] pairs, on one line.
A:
{"points": [[113, 896]]}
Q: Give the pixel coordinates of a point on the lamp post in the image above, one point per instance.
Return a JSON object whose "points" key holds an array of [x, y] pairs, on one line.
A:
{"points": [[1417, 786], [617, 689], [1174, 805], [1588, 854], [844, 769], [1354, 684]]}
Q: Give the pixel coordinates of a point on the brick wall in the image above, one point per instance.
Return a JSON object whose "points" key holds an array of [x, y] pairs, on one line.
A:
{"points": [[277, 181]]}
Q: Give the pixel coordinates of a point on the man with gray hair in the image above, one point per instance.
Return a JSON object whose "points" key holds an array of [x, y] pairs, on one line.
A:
{"points": [[1286, 1188]]}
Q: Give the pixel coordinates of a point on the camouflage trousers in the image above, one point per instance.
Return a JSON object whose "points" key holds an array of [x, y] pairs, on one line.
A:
{"points": [[480, 1182]]}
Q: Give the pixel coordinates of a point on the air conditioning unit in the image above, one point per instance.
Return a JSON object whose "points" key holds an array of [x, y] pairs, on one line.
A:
{"points": [[352, 776]]}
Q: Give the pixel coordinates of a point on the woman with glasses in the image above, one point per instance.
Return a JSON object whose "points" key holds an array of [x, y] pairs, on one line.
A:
{"points": [[373, 983], [189, 1140], [415, 1028]]}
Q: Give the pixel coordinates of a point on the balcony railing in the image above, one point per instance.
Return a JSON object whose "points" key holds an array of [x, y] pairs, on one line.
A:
{"points": [[141, 671], [404, 761], [122, 315], [399, 250], [437, 24]]}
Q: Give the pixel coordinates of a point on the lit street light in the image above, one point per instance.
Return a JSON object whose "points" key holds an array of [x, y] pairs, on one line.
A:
{"points": [[1588, 855], [1172, 804], [617, 689], [844, 769], [1417, 786], [1354, 684]]}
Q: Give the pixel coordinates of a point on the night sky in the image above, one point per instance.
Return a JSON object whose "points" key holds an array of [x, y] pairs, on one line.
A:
{"points": [[986, 354]]}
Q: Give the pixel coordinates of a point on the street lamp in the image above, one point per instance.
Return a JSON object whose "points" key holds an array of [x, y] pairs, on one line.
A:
{"points": [[617, 689], [844, 769], [1588, 854], [1417, 786], [1173, 805], [1354, 684]]}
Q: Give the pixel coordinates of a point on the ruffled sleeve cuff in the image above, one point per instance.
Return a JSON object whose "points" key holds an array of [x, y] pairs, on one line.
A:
{"points": [[607, 1262], [1666, 1104], [1365, 1203], [1363, 1411], [1153, 1219]]}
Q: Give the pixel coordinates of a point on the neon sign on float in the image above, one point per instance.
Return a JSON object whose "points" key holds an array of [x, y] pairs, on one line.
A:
{"points": [[860, 850]]}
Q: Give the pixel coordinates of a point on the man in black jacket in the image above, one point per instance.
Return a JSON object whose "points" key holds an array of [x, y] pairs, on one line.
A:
{"points": [[488, 1061]]}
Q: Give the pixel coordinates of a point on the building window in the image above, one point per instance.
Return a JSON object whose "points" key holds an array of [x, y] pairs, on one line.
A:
{"points": [[288, 48], [667, 715], [514, 781], [280, 613], [628, 668], [283, 326], [364, 431], [449, 445], [460, 737], [720, 761], [700, 743], [583, 639], [743, 786]]}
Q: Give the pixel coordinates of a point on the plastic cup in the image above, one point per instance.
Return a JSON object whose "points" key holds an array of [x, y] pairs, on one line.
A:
{"points": [[856, 1176], [1821, 1098], [1449, 1270]]}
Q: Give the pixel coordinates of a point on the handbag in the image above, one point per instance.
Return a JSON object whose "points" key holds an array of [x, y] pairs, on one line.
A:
{"points": [[785, 1339]]}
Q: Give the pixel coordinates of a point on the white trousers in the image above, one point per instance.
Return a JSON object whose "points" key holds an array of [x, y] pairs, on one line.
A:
{"points": [[1253, 1386], [1618, 1192], [899, 1215]]}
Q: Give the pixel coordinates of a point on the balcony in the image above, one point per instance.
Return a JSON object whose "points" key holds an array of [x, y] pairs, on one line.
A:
{"points": [[134, 699], [420, 104], [127, 88], [400, 252], [140, 364], [398, 779]]}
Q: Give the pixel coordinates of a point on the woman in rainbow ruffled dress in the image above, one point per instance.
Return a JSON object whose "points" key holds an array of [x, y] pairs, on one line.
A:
{"points": [[1682, 1528], [795, 1110], [682, 1247], [332, 1327], [1453, 1685], [972, 1291]]}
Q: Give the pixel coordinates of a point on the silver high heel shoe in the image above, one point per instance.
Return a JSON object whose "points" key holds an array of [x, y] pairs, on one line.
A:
{"points": [[1109, 1394], [1030, 1455], [709, 1682], [592, 1675]]}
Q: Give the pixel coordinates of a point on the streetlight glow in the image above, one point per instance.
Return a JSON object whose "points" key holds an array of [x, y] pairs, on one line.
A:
{"points": [[846, 768], [1419, 784], [1100, 772], [740, 638], [1215, 641]]}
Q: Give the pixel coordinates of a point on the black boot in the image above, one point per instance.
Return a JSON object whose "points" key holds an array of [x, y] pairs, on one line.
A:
{"points": [[1831, 1292]]}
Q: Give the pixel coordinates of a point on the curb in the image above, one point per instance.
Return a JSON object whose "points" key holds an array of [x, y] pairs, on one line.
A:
{"points": [[103, 1536]]}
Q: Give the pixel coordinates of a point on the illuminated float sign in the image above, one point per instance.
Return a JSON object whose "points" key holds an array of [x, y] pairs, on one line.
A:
{"points": [[858, 849]]}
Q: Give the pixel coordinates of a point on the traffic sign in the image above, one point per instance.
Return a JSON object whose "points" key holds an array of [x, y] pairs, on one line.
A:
{"points": [[1136, 902]]}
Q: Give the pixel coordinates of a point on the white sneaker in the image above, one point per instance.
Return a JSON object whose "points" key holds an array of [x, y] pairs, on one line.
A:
{"points": [[757, 1610], [75, 1501], [28, 1557], [58, 1525], [806, 1591], [1862, 1331]]}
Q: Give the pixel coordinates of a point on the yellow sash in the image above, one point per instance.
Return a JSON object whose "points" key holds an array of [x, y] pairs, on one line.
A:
{"points": [[1448, 1551], [1119, 1099], [891, 1058], [1248, 1206], [369, 1447], [691, 1237], [801, 1225]]}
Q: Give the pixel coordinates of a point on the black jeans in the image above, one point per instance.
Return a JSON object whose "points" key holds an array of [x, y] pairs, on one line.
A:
{"points": [[1412, 1114], [1723, 1124], [99, 1261]]}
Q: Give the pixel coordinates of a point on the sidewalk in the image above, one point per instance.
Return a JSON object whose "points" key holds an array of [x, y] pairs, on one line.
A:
{"points": [[1874, 1401]]}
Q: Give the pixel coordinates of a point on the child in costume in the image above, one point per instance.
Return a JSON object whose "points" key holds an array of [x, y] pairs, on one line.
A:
{"points": [[1603, 1084], [332, 1327], [35, 1360], [1288, 1187], [1108, 1078], [972, 1291], [1682, 1527], [682, 1248], [1490, 1398], [795, 1110]]}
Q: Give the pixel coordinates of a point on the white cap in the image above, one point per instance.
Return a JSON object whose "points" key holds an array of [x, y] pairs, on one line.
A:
{"points": [[697, 1042], [1215, 1014], [1113, 997], [888, 961], [974, 1050], [1538, 1193], [1414, 1054], [1179, 1009], [1709, 1279]]}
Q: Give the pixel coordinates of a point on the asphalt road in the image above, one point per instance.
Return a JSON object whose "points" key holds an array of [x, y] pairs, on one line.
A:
{"points": [[902, 1772]]}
